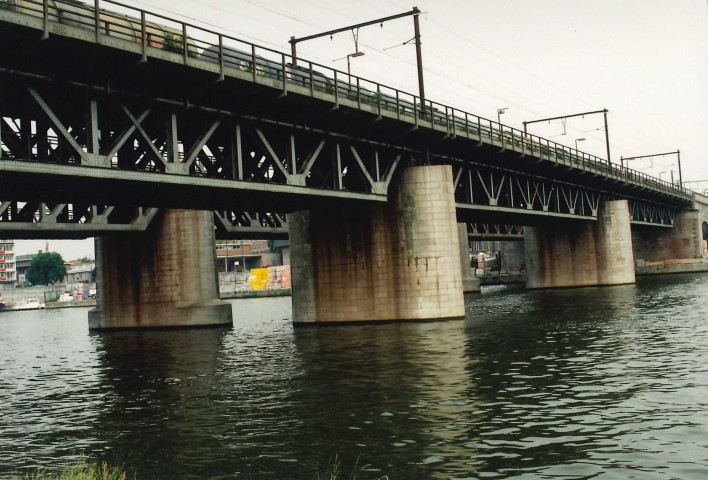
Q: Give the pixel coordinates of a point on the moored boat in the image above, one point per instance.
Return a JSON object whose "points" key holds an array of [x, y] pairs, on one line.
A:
{"points": [[31, 303]]}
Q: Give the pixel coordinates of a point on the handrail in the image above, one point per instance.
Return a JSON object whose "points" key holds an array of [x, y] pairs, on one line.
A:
{"points": [[307, 74]]}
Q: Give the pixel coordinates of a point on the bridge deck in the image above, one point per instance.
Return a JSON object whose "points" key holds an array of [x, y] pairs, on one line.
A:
{"points": [[131, 56]]}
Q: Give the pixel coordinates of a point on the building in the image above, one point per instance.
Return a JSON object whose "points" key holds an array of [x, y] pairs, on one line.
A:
{"points": [[8, 269], [79, 274], [243, 255], [22, 263]]}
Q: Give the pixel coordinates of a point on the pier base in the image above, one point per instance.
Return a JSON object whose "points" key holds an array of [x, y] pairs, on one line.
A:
{"points": [[163, 278], [571, 254], [394, 261]]}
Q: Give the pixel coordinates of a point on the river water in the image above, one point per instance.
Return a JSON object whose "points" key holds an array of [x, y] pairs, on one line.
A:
{"points": [[579, 383]]}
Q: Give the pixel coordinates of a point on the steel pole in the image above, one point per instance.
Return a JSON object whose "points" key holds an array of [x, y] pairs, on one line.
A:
{"points": [[678, 154], [419, 59], [607, 139], [293, 50]]}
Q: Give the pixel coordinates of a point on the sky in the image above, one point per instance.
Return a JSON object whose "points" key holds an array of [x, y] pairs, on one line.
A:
{"points": [[646, 61]]}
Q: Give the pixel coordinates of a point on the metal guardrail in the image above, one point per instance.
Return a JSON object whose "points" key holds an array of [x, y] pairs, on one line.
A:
{"points": [[155, 31]]}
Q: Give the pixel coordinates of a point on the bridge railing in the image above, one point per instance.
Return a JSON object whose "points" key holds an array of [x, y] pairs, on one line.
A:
{"points": [[155, 31]]}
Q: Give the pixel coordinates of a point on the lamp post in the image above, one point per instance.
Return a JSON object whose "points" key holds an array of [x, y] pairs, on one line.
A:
{"points": [[226, 263], [579, 140], [349, 66], [500, 111]]}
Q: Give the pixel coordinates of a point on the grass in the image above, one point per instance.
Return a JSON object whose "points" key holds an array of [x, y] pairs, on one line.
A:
{"points": [[101, 471], [80, 471], [335, 471]]}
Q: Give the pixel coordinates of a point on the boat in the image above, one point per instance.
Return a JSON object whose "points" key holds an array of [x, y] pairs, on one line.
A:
{"points": [[31, 303], [66, 297]]}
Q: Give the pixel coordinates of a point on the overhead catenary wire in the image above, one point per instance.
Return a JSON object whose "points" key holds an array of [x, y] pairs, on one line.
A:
{"points": [[494, 94]]}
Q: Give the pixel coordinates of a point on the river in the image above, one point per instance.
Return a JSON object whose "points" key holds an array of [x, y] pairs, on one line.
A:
{"points": [[577, 383]]}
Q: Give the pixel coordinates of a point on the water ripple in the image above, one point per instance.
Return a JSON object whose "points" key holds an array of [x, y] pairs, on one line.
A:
{"points": [[581, 383]]}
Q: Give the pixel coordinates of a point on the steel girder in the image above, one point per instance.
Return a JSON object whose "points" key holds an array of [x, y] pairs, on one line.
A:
{"points": [[494, 231], [483, 191], [67, 220], [106, 132], [110, 133]]}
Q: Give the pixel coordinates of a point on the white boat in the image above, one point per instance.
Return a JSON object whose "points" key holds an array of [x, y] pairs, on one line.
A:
{"points": [[31, 303], [66, 297]]}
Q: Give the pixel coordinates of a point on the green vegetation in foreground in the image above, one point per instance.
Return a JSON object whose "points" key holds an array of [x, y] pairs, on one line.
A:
{"points": [[335, 472], [81, 471]]}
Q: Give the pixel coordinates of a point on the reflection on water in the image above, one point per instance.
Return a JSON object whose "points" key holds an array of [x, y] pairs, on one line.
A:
{"points": [[544, 384]]}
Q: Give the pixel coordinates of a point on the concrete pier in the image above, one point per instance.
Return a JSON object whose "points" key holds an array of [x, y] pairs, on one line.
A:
{"points": [[571, 254], [684, 240], [398, 261], [163, 278]]}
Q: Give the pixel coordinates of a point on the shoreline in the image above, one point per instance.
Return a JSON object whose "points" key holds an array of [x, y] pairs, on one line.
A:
{"points": [[642, 269]]}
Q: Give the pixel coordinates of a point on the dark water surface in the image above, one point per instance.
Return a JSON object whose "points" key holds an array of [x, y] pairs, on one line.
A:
{"points": [[578, 383]]}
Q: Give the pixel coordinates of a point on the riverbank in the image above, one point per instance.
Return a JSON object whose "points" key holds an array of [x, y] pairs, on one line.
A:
{"points": [[267, 292], [507, 278], [79, 303], [665, 267]]}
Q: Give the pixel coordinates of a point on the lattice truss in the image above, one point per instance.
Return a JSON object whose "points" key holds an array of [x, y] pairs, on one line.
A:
{"points": [[249, 224], [494, 231], [491, 188], [26, 218], [83, 218], [110, 133]]}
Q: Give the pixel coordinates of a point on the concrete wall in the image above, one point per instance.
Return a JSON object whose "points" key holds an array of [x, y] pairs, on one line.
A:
{"points": [[701, 204], [652, 244], [395, 261], [165, 277], [665, 267], [576, 253], [512, 255]]}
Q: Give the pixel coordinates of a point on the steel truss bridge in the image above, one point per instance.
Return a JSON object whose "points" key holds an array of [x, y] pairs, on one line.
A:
{"points": [[109, 113]]}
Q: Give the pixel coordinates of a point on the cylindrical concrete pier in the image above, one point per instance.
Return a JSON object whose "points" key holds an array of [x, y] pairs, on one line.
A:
{"points": [[398, 261], [571, 254], [163, 278]]}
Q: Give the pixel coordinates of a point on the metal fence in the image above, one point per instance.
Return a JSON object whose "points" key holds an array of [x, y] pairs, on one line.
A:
{"points": [[155, 31]]}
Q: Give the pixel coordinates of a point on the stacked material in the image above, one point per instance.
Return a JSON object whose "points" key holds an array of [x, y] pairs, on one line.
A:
{"points": [[270, 277], [258, 279]]}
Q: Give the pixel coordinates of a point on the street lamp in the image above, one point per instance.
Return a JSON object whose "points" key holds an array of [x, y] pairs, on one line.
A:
{"points": [[349, 67], [579, 140], [499, 113]]}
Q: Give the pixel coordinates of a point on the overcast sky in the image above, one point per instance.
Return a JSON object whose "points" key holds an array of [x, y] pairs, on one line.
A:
{"points": [[646, 61]]}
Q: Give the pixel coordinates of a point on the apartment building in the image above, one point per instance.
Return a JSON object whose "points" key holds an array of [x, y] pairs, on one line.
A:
{"points": [[8, 269]]}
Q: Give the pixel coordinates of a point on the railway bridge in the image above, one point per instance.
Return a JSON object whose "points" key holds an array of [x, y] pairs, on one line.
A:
{"points": [[155, 136]]}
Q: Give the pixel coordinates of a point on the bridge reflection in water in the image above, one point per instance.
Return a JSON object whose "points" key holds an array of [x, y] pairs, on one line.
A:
{"points": [[542, 383]]}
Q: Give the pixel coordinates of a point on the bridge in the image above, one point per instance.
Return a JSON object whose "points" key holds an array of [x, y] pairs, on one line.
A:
{"points": [[123, 124]]}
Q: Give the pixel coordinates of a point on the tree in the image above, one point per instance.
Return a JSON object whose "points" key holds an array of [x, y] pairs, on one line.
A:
{"points": [[46, 268]]}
